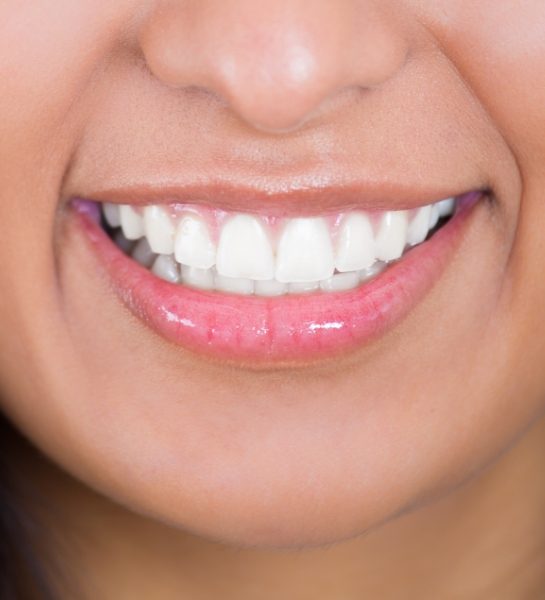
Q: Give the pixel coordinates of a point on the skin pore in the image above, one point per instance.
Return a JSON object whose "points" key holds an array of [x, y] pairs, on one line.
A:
{"points": [[410, 468]]}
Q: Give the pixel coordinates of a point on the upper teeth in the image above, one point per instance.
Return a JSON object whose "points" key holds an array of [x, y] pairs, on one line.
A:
{"points": [[245, 254]]}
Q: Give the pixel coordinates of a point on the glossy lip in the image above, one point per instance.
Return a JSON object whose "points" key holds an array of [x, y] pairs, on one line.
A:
{"points": [[286, 329]]}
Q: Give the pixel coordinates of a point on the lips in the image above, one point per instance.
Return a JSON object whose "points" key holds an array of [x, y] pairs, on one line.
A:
{"points": [[290, 328]]}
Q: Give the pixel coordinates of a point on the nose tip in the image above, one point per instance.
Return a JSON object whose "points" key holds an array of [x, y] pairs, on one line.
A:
{"points": [[275, 63]]}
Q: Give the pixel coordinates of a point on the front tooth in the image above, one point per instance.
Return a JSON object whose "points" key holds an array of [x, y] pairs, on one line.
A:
{"points": [[355, 248], [166, 268], [111, 214], [159, 230], [234, 285], [131, 222], [341, 282], [270, 288], [446, 207], [193, 245], [143, 254], [244, 249], [392, 235], [419, 226], [199, 278], [304, 251]]}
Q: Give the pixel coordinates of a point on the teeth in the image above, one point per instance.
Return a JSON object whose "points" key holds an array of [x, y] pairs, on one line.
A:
{"points": [[392, 235], [159, 230], [434, 216], [244, 250], [234, 285], [111, 214], [419, 227], [366, 274], [199, 278], [340, 282], [270, 288], [303, 287], [143, 254], [356, 246], [166, 268], [193, 245], [446, 207], [304, 251], [132, 223], [302, 260]]}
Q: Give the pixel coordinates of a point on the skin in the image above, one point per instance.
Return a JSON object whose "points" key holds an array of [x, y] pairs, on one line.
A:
{"points": [[417, 452]]}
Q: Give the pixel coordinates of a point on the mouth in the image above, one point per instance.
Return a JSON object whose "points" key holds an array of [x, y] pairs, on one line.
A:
{"points": [[270, 288]]}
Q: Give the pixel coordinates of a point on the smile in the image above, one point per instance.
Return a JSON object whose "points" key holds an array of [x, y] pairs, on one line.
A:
{"points": [[261, 287]]}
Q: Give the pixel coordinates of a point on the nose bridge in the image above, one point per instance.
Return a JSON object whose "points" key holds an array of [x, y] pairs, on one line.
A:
{"points": [[275, 62]]}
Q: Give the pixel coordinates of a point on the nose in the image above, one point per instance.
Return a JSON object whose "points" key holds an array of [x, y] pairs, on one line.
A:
{"points": [[275, 63]]}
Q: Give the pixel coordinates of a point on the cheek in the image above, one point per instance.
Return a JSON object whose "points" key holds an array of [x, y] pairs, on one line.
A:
{"points": [[499, 49]]}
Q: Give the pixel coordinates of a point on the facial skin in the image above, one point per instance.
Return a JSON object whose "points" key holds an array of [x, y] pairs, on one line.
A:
{"points": [[118, 93]]}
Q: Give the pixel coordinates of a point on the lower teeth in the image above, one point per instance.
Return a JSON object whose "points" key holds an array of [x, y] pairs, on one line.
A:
{"points": [[165, 267]]}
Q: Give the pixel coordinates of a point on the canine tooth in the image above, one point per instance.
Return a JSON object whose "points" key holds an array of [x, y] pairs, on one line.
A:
{"points": [[392, 235], [244, 249], [143, 254], [159, 230], [199, 278], [131, 222], [304, 251], [434, 216], [235, 285], [419, 226], [341, 281], [446, 207], [193, 245], [270, 288], [111, 214], [302, 287], [355, 248], [166, 268]]}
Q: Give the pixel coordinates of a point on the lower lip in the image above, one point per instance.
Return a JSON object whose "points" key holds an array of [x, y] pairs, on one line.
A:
{"points": [[260, 330]]}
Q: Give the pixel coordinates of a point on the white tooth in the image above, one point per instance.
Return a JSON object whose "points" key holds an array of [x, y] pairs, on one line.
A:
{"points": [[270, 288], [355, 248], [199, 278], [434, 216], [166, 268], [122, 242], [234, 285], [304, 251], [419, 226], [340, 282], [302, 287], [244, 249], [131, 222], [193, 245], [446, 207], [392, 235], [159, 230], [143, 254], [111, 214], [366, 274]]}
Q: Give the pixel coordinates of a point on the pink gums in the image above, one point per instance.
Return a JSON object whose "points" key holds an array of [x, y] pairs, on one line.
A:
{"points": [[285, 328]]}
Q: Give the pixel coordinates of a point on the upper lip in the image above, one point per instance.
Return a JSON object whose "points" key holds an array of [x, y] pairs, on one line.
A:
{"points": [[302, 200]]}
